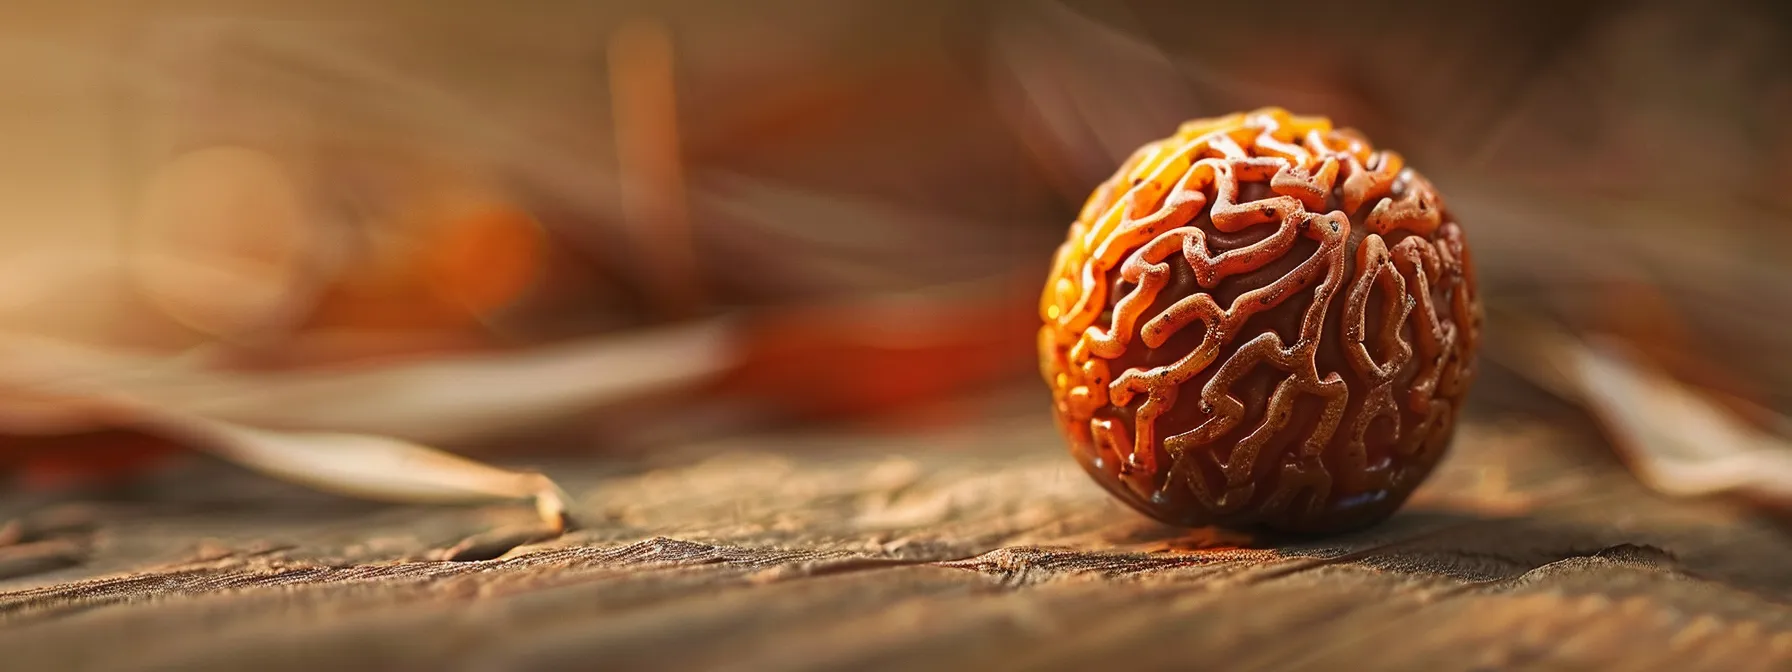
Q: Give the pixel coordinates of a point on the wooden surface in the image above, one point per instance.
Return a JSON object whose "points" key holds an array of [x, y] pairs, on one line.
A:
{"points": [[970, 548]]}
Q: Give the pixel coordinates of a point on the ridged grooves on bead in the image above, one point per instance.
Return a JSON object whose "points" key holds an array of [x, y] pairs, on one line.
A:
{"points": [[1381, 312]]}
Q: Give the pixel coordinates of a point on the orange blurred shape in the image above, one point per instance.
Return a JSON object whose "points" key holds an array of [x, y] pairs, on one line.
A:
{"points": [[848, 360], [485, 260], [102, 457], [441, 267], [225, 241]]}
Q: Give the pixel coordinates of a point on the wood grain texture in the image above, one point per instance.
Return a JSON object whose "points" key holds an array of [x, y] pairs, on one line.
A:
{"points": [[970, 548]]}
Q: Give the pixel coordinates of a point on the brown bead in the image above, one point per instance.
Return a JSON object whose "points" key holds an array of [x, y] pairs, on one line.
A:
{"points": [[1261, 321]]}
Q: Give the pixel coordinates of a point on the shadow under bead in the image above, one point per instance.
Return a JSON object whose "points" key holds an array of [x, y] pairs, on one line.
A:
{"points": [[1261, 321]]}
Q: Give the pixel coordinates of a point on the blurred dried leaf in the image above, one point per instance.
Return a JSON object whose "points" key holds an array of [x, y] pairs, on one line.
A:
{"points": [[1676, 438], [64, 389], [54, 386]]}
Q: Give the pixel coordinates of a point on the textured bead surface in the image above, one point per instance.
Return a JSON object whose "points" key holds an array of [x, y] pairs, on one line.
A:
{"points": [[1261, 321]]}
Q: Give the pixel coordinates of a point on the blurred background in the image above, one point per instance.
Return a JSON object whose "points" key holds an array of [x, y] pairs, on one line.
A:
{"points": [[599, 226]]}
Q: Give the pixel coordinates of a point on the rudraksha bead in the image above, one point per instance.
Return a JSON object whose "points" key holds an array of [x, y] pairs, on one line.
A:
{"points": [[1261, 321]]}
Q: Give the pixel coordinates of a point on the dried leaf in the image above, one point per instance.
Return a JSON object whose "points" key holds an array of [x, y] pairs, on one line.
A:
{"points": [[322, 428], [50, 385], [1676, 439]]}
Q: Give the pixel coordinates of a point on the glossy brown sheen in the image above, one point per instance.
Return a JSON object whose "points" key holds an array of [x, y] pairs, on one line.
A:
{"points": [[1261, 321]]}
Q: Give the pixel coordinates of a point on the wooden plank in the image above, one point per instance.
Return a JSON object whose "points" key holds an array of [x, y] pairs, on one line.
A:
{"points": [[978, 547]]}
